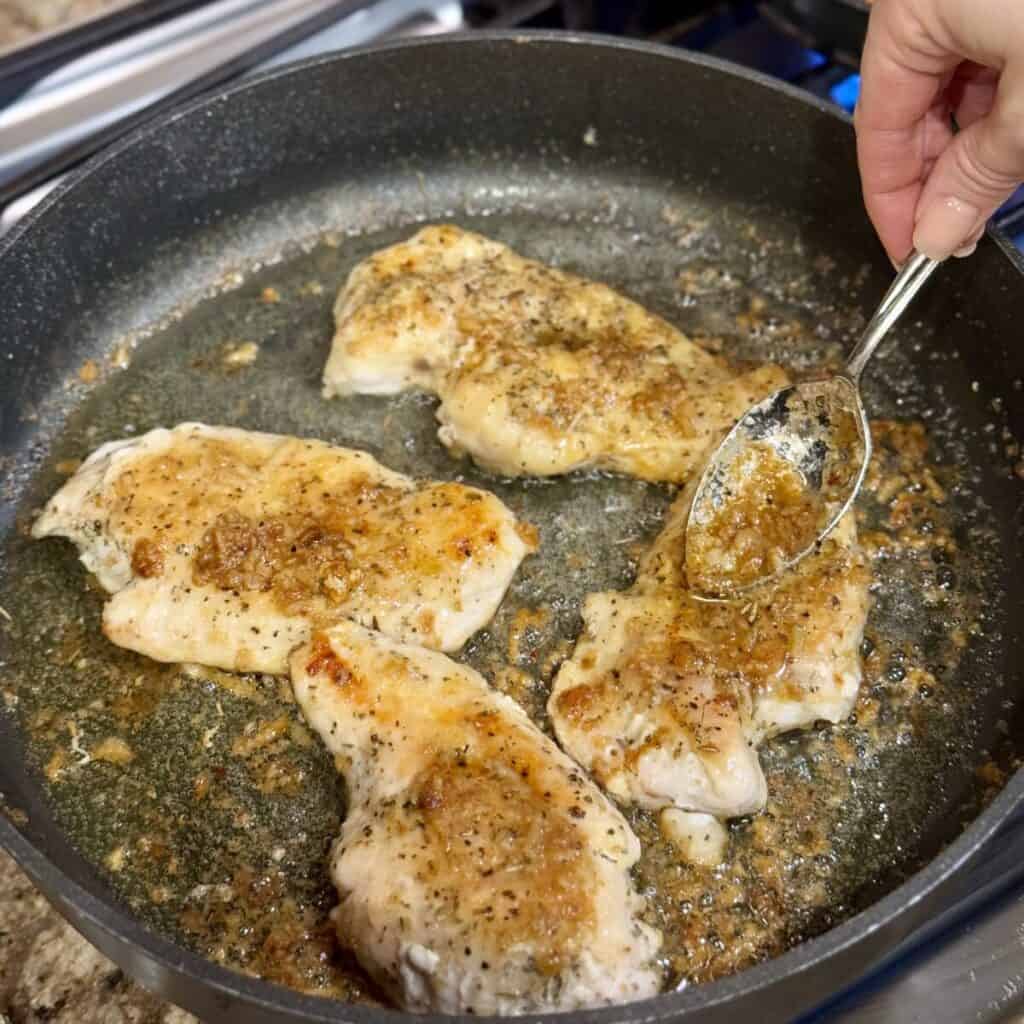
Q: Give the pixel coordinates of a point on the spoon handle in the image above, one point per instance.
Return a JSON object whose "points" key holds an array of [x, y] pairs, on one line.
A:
{"points": [[908, 283]]}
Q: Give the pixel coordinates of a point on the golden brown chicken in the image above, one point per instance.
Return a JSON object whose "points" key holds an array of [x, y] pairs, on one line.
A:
{"points": [[539, 372], [227, 547], [478, 870], [667, 697]]}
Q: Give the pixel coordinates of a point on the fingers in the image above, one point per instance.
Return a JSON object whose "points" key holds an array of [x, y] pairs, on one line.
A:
{"points": [[894, 162], [901, 121], [976, 173], [922, 60], [972, 92], [894, 167]]}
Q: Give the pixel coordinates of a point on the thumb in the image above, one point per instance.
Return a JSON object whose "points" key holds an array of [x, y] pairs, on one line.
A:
{"points": [[974, 175]]}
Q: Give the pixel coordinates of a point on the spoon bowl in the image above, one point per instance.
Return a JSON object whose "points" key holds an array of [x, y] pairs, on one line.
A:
{"points": [[780, 481], [789, 469]]}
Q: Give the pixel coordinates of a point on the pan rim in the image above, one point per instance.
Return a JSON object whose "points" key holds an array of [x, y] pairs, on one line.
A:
{"points": [[174, 960], [461, 38]]}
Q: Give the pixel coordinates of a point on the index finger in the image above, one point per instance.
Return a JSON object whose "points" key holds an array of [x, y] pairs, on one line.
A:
{"points": [[900, 121]]}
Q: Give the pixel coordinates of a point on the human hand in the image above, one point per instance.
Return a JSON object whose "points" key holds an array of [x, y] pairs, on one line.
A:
{"points": [[925, 60]]}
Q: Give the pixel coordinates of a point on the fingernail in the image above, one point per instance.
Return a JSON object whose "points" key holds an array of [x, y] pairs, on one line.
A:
{"points": [[946, 226], [897, 264], [972, 243]]}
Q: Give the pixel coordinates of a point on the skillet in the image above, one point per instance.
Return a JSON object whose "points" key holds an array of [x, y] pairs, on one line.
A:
{"points": [[626, 161]]}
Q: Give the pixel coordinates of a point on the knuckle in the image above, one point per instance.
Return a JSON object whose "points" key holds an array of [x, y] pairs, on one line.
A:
{"points": [[1009, 125], [987, 163]]}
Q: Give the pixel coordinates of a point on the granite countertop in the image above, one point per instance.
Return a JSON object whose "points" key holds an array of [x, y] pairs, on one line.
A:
{"points": [[22, 19], [49, 974]]}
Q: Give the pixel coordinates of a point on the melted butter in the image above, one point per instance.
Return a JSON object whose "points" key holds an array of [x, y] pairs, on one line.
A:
{"points": [[244, 870], [768, 515]]}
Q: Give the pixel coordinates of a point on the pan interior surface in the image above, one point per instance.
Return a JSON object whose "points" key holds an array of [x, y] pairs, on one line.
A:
{"points": [[214, 827]]}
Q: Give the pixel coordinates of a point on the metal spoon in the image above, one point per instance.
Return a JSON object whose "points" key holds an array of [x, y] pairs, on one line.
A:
{"points": [[817, 433]]}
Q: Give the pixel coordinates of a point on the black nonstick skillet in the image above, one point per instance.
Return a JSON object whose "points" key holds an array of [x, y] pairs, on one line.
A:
{"points": [[628, 162]]}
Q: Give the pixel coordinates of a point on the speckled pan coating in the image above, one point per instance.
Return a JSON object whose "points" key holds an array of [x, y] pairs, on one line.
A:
{"points": [[628, 163]]}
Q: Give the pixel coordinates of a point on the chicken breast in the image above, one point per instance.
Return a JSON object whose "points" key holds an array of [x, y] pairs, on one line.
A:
{"points": [[666, 697], [478, 870], [656, 727], [808, 626], [539, 372], [227, 547]]}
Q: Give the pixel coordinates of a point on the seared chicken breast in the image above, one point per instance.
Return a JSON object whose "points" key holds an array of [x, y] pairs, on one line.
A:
{"points": [[539, 372], [656, 727], [227, 547], [478, 869], [804, 631], [666, 697]]}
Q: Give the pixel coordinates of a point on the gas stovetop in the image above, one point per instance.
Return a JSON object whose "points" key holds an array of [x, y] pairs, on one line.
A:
{"points": [[41, 116], [967, 965]]}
